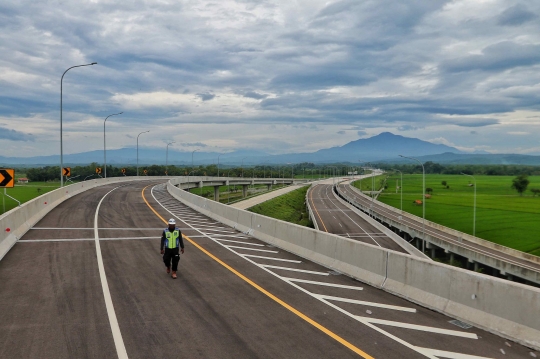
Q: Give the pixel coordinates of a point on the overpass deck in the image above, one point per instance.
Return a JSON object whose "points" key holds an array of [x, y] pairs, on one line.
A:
{"points": [[87, 281]]}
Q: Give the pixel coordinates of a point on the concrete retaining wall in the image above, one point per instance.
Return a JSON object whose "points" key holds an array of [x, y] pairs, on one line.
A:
{"points": [[502, 307]]}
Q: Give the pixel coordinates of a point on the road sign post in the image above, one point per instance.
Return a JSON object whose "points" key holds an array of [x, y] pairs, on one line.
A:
{"points": [[7, 178], [124, 171]]}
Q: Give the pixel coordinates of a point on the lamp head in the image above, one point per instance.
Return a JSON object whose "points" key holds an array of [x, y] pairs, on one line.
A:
{"points": [[93, 63]]}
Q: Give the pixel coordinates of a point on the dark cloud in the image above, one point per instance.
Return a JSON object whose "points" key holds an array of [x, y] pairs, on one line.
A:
{"points": [[361, 133], [473, 122], [206, 96], [515, 15], [193, 144], [12, 135], [255, 95], [341, 132], [473, 133], [408, 128]]}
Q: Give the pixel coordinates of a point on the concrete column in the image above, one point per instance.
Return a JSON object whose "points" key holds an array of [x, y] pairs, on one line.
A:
{"points": [[268, 187], [433, 251], [451, 257], [476, 266], [244, 190], [216, 193]]}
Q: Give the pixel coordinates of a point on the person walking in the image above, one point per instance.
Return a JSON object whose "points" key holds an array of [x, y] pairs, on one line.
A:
{"points": [[172, 245]]}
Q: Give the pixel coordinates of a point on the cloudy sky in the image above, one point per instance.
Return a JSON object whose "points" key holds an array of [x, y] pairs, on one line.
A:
{"points": [[271, 75]]}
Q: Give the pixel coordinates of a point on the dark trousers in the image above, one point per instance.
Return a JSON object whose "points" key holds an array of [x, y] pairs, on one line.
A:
{"points": [[171, 254]]}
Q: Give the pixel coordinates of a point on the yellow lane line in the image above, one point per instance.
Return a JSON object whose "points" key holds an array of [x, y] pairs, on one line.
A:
{"points": [[267, 293], [315, 208]]}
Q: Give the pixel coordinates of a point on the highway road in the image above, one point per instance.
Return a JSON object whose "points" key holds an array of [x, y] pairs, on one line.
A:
{"points": [[345, 188], [87, 281], [332, 216]]}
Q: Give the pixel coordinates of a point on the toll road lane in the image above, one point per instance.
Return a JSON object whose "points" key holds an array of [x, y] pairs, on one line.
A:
{"points": [[334, 217], [53, 303]]}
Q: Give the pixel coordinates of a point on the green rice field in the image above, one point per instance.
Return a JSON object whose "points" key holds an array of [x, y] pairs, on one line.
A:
{"points": [[25, 192], [502, 215]]}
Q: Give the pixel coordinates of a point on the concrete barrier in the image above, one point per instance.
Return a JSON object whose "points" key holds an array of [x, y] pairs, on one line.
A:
{"points": [[502, 307]]}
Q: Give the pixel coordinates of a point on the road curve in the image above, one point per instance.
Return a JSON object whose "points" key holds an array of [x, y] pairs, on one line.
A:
{"points": [[332, 216], [236, 297]]}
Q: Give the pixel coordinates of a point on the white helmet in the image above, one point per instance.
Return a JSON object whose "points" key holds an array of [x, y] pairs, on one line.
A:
{"points": [[172, 221]]}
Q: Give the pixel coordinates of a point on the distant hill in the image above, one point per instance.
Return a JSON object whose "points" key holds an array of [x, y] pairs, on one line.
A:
{"points": [[385, 147]]}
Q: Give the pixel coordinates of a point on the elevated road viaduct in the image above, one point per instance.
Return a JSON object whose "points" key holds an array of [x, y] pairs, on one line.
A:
{"points": [[86, 281], [500, 261]]}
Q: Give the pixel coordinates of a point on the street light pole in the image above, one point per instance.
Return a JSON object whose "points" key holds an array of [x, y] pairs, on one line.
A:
{"points": [[192, 152], [218, 163], [167, 158], [243, 166], [104, 145], [401, 188], [138, 150], [423, 201], [474, 207], [61, 141]]}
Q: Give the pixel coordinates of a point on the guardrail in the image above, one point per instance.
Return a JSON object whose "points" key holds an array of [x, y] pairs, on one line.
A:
{"points": [[310, 211], [499, 306]]}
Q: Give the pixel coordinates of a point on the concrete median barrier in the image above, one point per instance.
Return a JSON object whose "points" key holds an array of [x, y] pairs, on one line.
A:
{"points": [[502, 307]]}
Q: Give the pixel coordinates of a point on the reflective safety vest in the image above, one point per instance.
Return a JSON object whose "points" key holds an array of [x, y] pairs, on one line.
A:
{"points": [[172, 238]]}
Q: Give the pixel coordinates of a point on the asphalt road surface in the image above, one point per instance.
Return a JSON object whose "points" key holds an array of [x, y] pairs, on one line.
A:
{"points": [[332, 216], [88, 281], [345, 188]]}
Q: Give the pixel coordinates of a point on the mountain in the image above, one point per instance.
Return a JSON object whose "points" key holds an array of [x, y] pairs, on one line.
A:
{"points": [[385, 147]]}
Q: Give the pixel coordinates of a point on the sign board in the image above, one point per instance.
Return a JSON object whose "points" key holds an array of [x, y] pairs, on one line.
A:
{"points": [[7, 178], [98, 170], [66, 171], [145, 172], [123, 170]]}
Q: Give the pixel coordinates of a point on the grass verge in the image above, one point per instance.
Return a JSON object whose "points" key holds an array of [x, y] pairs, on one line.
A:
{"points": [[290, 207]]}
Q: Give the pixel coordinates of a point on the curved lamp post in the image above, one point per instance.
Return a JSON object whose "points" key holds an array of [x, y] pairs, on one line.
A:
{"points": [[218, 163], [423, 201], [138, 150], [243, 166], [61, 141], [474, 207], [401, 189], [167, 158], [104, 147]]}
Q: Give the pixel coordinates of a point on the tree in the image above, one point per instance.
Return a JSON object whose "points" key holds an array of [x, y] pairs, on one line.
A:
{"points": [[429, 190], [535, 191], [444, 183], [520, 184]]}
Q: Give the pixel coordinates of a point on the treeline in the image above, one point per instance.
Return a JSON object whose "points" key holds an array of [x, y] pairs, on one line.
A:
{"points": [[489, 170], [80, 173]]}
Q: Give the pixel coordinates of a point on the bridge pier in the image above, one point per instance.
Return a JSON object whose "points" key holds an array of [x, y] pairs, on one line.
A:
{"points": [[244, 190], [268, 187], [216, 193]]}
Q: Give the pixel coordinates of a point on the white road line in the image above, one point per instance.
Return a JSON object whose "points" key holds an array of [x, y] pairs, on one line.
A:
{"points": [[82, 239], [113, 321], [293, 269], [210, 229], [323, 283], [449, 355], [55, 240], [251, 249], [229, 240], [60, 228], [361, 302], [424, 328], [272, 258]]}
